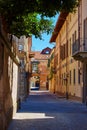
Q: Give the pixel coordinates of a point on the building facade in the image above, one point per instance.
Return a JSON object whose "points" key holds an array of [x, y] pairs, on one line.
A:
{"points": [[70, 37], [23, 46], [51, 75], [9, 65], [40, 69], [14, 68]]}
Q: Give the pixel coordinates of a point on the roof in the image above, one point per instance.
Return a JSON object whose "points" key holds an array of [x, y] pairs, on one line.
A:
{"points": [[60, 22], [46, 51]]}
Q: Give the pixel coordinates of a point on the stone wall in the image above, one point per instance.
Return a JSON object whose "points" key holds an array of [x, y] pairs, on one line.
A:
{"points": [[8, 82], [6, 106]]}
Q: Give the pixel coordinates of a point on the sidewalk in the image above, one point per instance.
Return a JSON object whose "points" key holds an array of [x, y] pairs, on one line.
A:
{"points": [[73, 98]]}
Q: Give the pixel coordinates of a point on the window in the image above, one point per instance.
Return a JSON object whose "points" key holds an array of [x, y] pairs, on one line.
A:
{"points": [[62, 52], [20, 47], [70, 17], [74, 36], [34, 68], [1, 59], [62, 79], [56, 59], [70, 76], [67, 48], [57, 80], [70, 45], [74, 77], [47, 52], [79, 76]]}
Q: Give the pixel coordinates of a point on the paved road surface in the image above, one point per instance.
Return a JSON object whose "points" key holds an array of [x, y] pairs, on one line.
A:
{"points": [[44, 111]]}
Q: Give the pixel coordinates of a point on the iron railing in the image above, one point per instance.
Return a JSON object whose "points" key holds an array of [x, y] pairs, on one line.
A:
{"points": [[79, 46]]}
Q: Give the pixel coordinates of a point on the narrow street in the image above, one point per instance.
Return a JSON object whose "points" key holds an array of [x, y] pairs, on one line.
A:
{"points": [[44, 111]]}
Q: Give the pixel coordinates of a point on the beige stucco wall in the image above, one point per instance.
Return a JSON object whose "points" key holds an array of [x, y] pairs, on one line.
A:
{"points": [[15, 88], [52, 84], [68, 64]]}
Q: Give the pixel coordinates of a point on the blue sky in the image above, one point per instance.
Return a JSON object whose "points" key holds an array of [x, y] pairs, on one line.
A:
{"points": [[38, 45]]}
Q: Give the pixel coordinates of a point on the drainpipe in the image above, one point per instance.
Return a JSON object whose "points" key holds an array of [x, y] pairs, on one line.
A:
{"points": [[66, 54], [80, 37]]}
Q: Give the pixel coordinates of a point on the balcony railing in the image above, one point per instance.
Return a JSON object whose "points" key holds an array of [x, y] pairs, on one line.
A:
{"points": [[79, 49], [75, 47]]}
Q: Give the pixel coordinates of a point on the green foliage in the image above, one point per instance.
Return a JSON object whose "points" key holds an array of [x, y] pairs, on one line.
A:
{"points": [[22, 15], [31, 24]]}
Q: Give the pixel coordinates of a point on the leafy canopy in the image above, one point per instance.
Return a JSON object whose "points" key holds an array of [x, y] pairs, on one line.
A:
{"points": [[26, 17], [31, 24]]}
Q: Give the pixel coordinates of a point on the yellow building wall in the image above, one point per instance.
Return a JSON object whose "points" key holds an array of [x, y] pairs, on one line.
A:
{"points": [[52, 79], [68, 64]]}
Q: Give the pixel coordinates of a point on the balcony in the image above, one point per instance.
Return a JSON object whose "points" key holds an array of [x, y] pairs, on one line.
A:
{"points": [[79, 50]]}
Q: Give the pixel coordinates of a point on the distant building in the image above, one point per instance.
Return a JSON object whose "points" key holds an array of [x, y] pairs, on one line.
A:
{"points": [[39, 68]]}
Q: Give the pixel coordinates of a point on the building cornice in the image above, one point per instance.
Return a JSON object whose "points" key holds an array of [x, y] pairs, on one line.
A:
{"points": [[59, 23]]}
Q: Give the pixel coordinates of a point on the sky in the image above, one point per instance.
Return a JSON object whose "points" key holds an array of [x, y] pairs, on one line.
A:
{"points": [[38, 45]]}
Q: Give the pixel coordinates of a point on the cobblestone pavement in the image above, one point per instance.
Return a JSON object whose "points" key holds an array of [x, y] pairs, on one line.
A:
{"points": [[44, 111]]}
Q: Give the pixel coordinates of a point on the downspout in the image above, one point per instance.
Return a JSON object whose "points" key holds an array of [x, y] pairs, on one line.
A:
{"points": [[66, 54], [79, 41]]}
